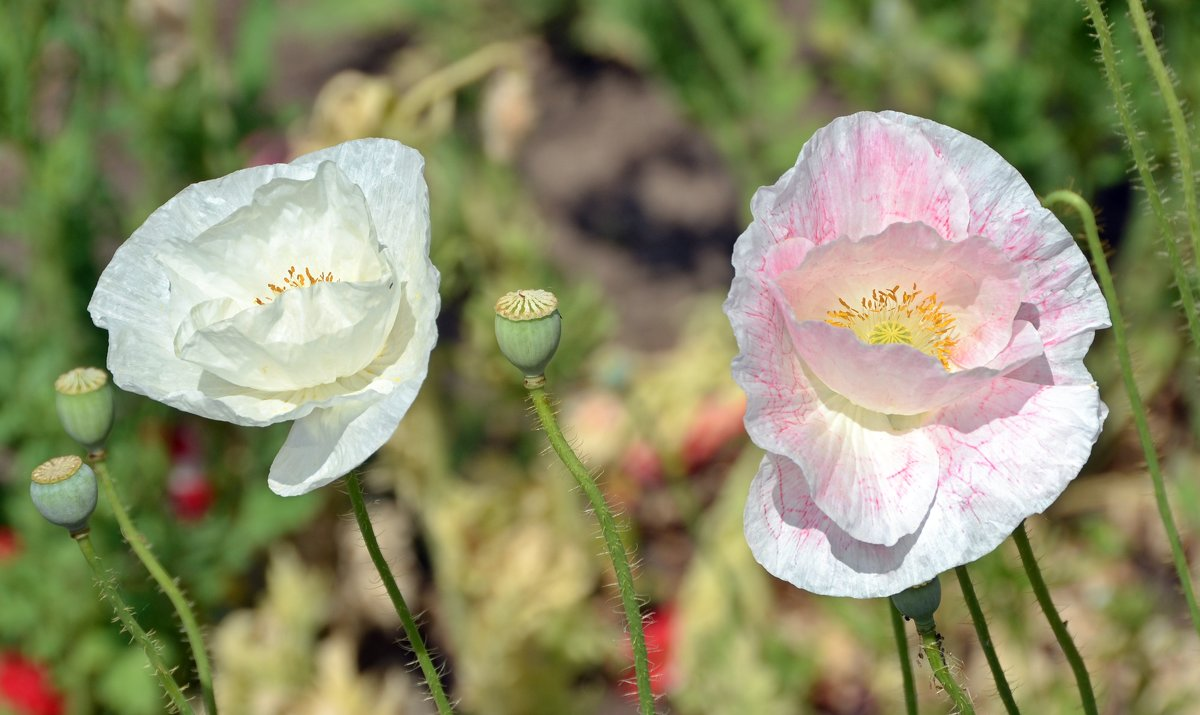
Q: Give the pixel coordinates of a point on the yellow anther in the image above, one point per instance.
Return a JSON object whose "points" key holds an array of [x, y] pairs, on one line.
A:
{"points": [[890, 316], [296, 280]]}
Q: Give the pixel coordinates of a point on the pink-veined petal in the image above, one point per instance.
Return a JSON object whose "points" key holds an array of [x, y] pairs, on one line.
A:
{"points": [[1000, 464], [857, 176]]}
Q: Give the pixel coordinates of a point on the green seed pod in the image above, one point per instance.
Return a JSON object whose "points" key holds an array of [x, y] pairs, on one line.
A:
{"points": [[85, 405], [64, 491], [528, 328], [919, 603]]}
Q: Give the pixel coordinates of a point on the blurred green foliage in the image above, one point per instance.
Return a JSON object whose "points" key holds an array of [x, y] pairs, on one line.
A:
{"points": [[109, 108]]}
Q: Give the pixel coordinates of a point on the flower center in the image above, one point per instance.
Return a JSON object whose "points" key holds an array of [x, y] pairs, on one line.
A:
{"points": [[894, 316], [295, 280]]}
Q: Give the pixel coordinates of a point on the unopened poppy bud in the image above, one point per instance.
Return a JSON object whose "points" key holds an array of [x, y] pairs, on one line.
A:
{"points": [[919, 603], [64, 491], [85, 405], [528, 328]]}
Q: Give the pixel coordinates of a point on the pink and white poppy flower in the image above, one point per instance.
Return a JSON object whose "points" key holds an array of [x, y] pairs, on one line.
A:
{"points": [[912, 325]]}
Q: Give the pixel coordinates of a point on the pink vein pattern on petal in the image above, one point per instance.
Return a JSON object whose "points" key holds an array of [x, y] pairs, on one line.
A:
{"points": [[856, 177], [1004, 208], [980, 499]]}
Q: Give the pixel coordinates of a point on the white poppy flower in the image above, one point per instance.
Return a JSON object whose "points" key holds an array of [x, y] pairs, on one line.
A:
{"points": [[298, 291]]}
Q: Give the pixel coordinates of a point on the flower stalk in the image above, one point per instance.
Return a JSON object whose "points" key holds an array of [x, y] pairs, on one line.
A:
{"points": [[1179, 128], [931, 645], [109, 593], [1137, 407], [1141, 159], [612, 540], [906, 671], [1082, 679], [985, 640], [141, 548], [432, 680]]}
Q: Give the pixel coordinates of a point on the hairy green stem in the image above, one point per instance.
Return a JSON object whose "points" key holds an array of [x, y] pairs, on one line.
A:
{"points": [[985, 640], [906, 671], [141, 548], [1179, 127], [1108, 59], [109, 592], [432, 679], [612, 540], [931, 644], [1136, 406], [1034, 572]]}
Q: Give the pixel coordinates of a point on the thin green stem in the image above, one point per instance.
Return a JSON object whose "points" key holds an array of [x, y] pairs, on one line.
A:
{"points": [[985, 640], [1179, 127], [432, 679], [1108, 59], [906, 670], [1137, 407], [612, 540], [141, 548], [1082, 679], [931, 644], [109, 592]]}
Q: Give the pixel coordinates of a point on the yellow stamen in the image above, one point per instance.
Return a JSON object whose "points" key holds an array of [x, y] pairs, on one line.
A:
{"points": [[893, 316], [296, 280]]}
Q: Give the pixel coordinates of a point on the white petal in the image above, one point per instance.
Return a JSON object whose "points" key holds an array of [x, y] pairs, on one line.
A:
{"points": [[328, 443]]}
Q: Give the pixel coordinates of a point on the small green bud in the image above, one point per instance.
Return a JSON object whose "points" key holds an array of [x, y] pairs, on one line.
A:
{"points": [[64, 491], [919, 603], [528, 328], [85, 405]]}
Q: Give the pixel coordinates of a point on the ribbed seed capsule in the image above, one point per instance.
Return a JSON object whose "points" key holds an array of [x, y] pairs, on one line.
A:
{"points": [[528, 329], [85, 405], [64, 491]]}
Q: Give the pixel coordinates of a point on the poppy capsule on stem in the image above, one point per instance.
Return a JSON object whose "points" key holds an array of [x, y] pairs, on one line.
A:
{"points": [[528, 328], [64, 492], [85, 405]]}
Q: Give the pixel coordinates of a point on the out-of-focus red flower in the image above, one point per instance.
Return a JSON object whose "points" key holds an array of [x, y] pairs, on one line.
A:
{"points": [[190, 492], [716, 423], [10, 545], [265, 148], [660, 651], [188, 488], [25, 687], [642, 462]]}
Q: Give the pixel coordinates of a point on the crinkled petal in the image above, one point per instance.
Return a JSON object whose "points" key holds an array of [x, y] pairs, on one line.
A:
{"points": [[1004, 456], [328, 443], [873, 480], [972, 280], [899, 379], [1004, 208], [133, 290], [850, 452], [304, 338], [856, 177]]}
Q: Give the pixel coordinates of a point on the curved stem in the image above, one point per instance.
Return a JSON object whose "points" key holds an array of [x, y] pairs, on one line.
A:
{"points": [[1082, 679], [612, 540], [1108, 59], [109, 592], [141, 549], [1179, 128], [931, 643], [985, 640], [1137, 407], [906, 671], [432, 679]]}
